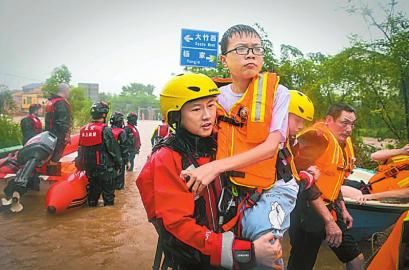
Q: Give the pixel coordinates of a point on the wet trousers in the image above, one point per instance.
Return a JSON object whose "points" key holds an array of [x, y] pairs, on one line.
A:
{"points": [[101, 182], [120, 178], [32, 184], [132, 160], [59, 149], [307, 231]]}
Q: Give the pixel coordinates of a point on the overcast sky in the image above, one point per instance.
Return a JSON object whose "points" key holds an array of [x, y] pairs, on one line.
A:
{"points": [[117, 42]]}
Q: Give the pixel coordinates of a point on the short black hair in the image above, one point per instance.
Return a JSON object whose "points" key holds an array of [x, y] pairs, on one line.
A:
{"points": [[238, 29], [336, 109], [34, 108]]}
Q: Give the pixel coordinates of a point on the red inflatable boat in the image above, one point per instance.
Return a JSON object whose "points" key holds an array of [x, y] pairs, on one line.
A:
{"points": [[70, 187], [67, 194]]}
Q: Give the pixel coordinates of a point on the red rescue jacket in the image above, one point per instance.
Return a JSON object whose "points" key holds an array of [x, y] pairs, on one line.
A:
{"points": [[166, 197]]}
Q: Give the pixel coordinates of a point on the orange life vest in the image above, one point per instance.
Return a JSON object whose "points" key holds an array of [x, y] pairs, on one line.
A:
{"points": [[247, 125], [388, 256], [391, 176], [333, 165]]}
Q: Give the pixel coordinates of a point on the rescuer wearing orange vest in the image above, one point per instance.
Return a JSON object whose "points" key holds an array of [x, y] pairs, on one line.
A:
{"points": [[301, 109], [328, 146], [392, 178]]}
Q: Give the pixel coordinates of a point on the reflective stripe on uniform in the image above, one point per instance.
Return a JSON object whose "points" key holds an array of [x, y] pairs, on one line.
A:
{"points": [[259, 96], [227, 253]]}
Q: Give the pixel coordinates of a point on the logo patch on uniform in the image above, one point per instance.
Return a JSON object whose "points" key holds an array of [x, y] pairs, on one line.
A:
{"points": [[276, 215]]}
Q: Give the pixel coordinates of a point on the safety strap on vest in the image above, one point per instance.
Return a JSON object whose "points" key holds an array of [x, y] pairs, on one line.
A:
{"points": [[392, 172], [229, 174], [230, 121], [249, 200], [283, 165], [252, 197]]}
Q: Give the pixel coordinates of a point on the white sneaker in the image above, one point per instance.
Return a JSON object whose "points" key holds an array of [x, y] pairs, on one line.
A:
{"points": [[6, 202], [16, 206]]}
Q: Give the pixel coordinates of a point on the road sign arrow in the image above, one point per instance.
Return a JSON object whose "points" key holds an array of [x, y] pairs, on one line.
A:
{"points": [[188, 38], [210, 58]]}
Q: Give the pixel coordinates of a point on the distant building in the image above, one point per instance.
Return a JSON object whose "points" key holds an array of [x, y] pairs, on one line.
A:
{"points": [[32, 86], [31, 94], [35, 96], [91, 90]]}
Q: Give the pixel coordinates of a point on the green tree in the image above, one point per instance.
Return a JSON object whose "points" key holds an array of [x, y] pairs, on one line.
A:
{"points": [[132, 97], [393, 49], [59, 75], [137, 89], [6, 101], [10, 133], [80, 106], [104, 96]]}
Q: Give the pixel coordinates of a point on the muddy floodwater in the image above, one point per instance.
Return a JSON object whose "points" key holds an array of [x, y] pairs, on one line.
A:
{"points": [[117, 237]]}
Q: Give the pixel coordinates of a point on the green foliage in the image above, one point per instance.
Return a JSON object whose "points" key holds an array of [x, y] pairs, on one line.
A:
{"points": [[104, 96], [270, 61], [6, 101], [127, 104], [137, 89], [59, 75], [80, 106], [132, 97], [393, 49], [10, 133], [363, 154]]}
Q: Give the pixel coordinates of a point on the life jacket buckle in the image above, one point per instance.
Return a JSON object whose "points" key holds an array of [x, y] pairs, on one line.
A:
{"points": [[230, 121], [392, 172], [254, 198]]}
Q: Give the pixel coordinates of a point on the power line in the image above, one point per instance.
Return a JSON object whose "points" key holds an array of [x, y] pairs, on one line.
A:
{"points": [[21, 76]]}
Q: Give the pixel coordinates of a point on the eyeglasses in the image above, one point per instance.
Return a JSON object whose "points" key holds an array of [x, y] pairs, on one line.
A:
{"points": [[345, 124], [242, 50]]}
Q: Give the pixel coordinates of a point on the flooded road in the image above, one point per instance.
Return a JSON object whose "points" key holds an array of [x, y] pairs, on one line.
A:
{"points": [[117, 237]]}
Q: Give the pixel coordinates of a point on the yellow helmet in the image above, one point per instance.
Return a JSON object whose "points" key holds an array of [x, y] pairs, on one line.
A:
{"points": [[301, 105], [183, 88]]}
